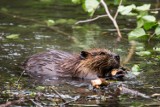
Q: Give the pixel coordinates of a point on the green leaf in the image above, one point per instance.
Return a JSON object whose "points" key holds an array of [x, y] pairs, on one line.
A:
{"points": [[46, 1], [4, 9], [135, 69], [142, 13], [90, 6], [144, 7], [65, 21], [149, 25], [136, 33], [157, 30], [140, 23], [61, 21], [71, 21], [116, 2], [50, 22], [143, 53], [154, 12], [76, 1], [40, 88], [140, 48], [13, 36], [149, 18], [126, 10], [156, 49]]}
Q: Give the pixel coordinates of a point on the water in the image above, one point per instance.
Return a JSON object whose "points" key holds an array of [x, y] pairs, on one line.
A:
{"points": [[26, 20]]}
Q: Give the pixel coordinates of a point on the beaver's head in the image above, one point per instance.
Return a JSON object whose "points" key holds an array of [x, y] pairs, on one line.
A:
{"points": [[101, 61]]}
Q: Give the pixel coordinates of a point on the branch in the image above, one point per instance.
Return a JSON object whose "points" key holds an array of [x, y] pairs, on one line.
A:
{"points": [[90, 20], [75, 99], [112, 19], [9, 103], [43, 24], [125, 90], [130, 53], [20, 76], [37, 104], [58, 94], [115, 16], [156, 9], [151, 36]]}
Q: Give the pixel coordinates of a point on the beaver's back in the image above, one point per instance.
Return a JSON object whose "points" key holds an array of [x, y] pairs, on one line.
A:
{"points": [[45, 63]]}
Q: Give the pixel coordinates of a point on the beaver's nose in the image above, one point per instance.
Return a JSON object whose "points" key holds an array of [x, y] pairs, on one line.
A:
{"points": [[117, 57]]}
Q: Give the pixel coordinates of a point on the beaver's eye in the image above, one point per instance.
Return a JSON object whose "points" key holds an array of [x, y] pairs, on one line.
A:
{"points": [[102, 53], [117, 57]]}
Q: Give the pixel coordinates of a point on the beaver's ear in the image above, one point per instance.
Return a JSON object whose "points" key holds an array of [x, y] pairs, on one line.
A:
{"points": [[84, 54]]}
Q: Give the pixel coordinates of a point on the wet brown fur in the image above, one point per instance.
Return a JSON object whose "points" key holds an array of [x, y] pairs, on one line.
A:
{"points": [[89, 64]]}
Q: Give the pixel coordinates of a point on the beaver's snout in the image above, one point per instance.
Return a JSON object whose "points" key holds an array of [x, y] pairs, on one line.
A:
{"points": [[114, 61]]}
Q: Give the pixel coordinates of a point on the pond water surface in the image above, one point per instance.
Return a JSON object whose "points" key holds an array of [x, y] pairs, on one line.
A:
{"points": [[26, 19]]}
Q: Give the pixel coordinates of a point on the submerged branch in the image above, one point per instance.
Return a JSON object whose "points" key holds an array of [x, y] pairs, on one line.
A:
{"points": [[37, 104], [64, 101], [125, 90], [9, 103], [53, 28], [20, 76], [67, 102], [58, 94], [131, 52]]}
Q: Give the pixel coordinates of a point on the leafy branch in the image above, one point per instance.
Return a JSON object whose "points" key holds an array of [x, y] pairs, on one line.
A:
{"points": [[146, 21], [94, 5], [147, 25]]}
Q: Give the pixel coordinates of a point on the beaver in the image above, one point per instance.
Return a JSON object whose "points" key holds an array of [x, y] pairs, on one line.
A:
{"points": [[91, 64]]}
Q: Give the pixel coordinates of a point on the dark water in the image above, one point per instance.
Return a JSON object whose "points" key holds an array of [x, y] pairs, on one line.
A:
{"points": [[26, 18]]}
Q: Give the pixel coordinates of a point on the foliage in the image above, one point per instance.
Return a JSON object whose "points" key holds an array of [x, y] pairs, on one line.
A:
{"points": [[146, 22], [136, 33], [13, 36], [147, 26], [88, 5], [50, 22]]}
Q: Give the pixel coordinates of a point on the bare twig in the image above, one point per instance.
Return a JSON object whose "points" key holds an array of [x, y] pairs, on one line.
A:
{"points": [[37, 104], [112, 19], [115, 16], [64, 101], [58, 94], [131, 52], [157, 4], [62, 105], [151, 36], [89, 20], [125, 90], [20, 76], [156, 9]]}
